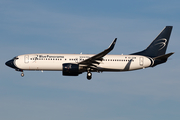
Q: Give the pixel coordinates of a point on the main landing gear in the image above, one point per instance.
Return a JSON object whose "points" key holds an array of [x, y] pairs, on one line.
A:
{"points": [[89, 75]]}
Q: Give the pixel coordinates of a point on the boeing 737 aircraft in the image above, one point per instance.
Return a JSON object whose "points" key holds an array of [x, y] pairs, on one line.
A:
{"points": [[75, 64]]}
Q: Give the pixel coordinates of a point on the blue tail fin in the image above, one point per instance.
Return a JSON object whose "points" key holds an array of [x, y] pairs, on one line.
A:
{"points": [[159, 45]]}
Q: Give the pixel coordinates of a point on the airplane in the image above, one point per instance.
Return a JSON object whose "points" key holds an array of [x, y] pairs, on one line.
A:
{"points": [[75, 64]]}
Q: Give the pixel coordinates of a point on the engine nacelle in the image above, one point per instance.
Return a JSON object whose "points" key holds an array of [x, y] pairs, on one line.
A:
{"points": [[70, 69]]}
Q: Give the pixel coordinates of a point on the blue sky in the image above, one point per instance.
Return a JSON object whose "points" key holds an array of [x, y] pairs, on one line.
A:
{"points": [[88, 27]]}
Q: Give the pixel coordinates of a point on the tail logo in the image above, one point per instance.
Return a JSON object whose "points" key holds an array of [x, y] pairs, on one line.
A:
{"points": [[161, 42]]}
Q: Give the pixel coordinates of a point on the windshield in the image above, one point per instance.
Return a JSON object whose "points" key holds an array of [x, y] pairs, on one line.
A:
{"points": [[15, 58]]}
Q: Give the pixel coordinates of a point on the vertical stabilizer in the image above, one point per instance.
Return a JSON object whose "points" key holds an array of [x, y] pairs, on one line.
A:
{"points": [[159, 45]]}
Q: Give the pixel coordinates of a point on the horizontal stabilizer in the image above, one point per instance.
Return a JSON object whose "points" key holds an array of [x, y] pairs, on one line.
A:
{"points": [[163, 57]]}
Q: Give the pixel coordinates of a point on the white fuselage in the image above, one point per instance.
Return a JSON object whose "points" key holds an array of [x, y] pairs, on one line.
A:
{"points": [[53, 62]]}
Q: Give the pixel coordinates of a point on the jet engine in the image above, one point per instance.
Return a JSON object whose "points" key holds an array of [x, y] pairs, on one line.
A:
{"points": [[70, 69]]}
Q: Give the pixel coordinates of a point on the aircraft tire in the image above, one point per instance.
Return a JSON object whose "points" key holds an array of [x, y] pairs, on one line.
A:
{"points": [[89, 75], [22, 74]]}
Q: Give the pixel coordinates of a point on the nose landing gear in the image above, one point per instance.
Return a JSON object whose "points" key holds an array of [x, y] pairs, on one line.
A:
{"points": [[22, 74], [89, 75]]}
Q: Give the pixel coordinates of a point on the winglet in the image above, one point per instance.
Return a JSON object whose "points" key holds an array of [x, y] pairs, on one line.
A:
{"points": [[112, 44]]}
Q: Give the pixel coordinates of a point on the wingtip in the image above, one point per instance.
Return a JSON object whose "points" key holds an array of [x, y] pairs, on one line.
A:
{"points": [[112, 44], [115, 40], [172, 53]]}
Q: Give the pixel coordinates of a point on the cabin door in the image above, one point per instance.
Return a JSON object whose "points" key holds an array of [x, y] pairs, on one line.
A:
{"points": [[141, 61], [26, 59]]}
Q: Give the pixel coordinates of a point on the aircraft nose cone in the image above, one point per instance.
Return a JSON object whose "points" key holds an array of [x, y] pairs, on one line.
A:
{"points": [[10, 63]]}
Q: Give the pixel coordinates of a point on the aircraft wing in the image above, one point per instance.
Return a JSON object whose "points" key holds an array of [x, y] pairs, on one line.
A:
{"points": [[90, 62]]}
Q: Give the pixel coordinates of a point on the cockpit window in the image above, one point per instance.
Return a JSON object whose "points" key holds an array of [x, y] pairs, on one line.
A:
{"points": [[15, 58]]}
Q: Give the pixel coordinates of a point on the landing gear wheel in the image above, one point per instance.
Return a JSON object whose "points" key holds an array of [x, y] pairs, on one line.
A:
{"points": [[89, 75], [22, 74]]}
